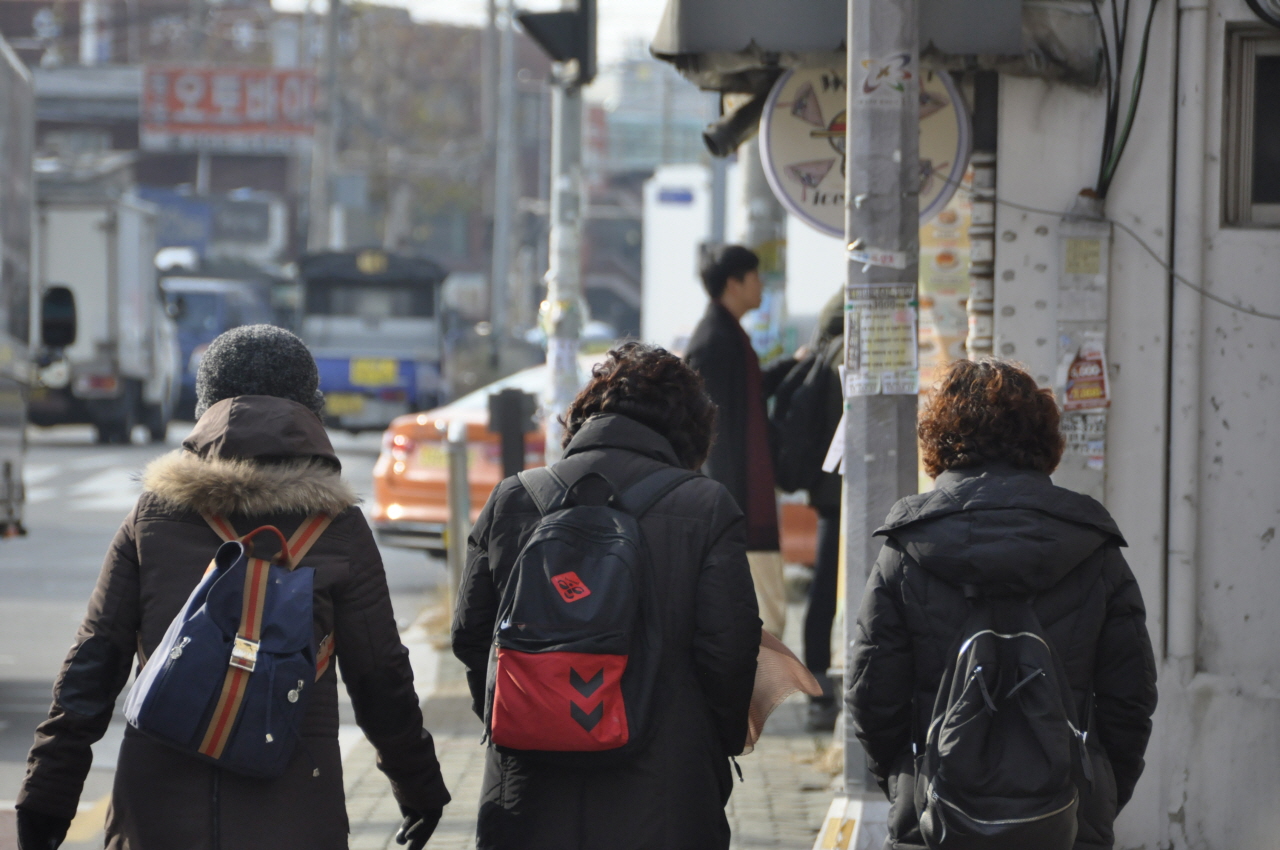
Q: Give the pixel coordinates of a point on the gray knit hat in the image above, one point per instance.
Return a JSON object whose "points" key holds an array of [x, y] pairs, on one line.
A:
{"points": [[258, 360]]}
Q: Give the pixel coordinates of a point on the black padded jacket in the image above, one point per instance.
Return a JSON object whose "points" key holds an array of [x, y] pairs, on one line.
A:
{"points": [[1008, 530]]}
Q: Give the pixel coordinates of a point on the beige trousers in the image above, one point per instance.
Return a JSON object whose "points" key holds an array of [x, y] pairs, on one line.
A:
{"points": [[771, 593]]}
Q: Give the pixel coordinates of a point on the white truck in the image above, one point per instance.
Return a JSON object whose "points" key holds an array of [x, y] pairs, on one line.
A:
{"points": [[108, 352]]}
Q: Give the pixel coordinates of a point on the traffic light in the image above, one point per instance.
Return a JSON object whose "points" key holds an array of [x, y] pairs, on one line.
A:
{"points": [[566, 35]]}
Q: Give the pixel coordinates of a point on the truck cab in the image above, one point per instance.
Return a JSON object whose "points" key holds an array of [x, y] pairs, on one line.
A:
{"points": [[372, 321]]}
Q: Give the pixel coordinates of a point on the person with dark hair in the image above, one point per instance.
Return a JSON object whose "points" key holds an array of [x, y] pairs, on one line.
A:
{"points": [[741, 455], [642, 411], [995, 525], [258, 456]]}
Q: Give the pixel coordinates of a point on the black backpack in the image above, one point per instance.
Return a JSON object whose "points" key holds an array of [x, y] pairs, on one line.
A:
{"points": [[578, 637], [802, 419], [1004, 755]]}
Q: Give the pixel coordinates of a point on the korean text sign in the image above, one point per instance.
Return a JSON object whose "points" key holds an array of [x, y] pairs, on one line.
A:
{"points": [[250, 110]]}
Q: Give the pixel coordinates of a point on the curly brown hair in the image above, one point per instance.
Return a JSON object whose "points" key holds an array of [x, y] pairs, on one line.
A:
{"points": [[989, 410], [654, 387]]}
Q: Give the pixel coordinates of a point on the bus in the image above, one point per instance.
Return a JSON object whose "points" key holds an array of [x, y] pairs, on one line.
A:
{"points": [[372, 320]]}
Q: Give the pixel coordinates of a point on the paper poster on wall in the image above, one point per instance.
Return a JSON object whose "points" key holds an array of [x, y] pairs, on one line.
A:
{"points": [[880, 337], [944, 286], [1085, 433], [1085, 385]]}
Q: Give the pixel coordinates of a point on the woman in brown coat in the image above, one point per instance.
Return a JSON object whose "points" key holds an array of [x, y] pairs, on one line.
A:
{"points": [[259, 455]]}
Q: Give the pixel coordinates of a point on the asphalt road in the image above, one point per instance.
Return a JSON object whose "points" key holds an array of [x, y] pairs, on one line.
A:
{"points": [[77, 495]]}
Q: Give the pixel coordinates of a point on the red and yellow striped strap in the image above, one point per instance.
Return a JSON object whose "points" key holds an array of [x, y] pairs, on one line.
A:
{"points": [[299, 544], [324, 654], [221, 527], [253, 603], [224, 716], [236, 682], [306, 536]]}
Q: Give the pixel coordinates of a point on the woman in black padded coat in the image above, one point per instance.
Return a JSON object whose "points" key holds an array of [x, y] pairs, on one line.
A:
{"points": [[990, 438], [642, 410]]}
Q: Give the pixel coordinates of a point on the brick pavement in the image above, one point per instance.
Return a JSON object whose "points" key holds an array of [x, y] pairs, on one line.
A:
{"points": [[779, 805]]}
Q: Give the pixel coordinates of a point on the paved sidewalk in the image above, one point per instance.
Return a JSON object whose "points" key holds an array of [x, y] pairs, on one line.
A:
{"points": [[779, 804]]}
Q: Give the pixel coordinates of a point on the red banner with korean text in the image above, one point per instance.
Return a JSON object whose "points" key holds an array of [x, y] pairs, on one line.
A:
{"points": [[226, 109]]}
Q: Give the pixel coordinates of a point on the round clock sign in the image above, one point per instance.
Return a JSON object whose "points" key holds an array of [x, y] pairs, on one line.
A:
{"points": [[802, 141]]}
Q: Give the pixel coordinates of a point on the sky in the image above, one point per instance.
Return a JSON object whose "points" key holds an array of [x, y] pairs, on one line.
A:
{"points": [[623, 24]]}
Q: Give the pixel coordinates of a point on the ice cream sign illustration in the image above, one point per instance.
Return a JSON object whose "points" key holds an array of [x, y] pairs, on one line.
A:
{"points": [[803, 132]]}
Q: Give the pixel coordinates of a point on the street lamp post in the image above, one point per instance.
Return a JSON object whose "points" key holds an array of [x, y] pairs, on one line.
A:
{"points": [[569, 37]]}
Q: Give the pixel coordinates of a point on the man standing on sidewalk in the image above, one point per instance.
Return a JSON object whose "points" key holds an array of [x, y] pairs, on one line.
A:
{"points": [[741, 458]]}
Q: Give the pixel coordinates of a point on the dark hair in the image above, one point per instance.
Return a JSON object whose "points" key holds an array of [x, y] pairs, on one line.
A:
{"points": [[655, 388], [989, 410], [729, 261]]}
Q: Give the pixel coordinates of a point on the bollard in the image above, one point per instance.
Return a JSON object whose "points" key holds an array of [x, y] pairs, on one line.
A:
{"points": [[511, 415], [459, 499]]}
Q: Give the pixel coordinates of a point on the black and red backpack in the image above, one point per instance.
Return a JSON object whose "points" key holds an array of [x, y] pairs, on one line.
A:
{"points": [[578, 638]]}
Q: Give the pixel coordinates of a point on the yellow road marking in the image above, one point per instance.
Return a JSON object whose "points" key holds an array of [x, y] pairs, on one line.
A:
{"points": [[89, 822]]}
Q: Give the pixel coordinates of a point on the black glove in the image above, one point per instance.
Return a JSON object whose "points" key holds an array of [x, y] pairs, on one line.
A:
{"points": [[38, 831], [415, 830]]}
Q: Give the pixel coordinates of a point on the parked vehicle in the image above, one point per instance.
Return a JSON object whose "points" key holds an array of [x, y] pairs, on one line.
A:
{"points": [[109, 351], [372, 320], [16, 142], [204, 307], [411, 476]]}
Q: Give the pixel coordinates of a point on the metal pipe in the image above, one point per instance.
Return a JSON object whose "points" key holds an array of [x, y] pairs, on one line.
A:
{"points": [[563, 311], [459, 498], [504, 190], [1185, 342], [324, 147]]}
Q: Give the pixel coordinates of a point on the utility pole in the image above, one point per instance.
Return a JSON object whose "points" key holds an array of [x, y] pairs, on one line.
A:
{"points": [[882, 230], [563, 310], [504, 185], [324, 148], [568, 37]]}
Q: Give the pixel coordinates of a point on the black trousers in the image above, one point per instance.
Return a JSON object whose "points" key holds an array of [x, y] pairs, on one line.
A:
{"points": [[821, 612]]}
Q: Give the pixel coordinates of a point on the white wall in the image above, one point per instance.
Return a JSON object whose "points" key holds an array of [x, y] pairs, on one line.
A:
{"points": [[1213, 767], [1231, 714], [815, 268], [672, 298]]}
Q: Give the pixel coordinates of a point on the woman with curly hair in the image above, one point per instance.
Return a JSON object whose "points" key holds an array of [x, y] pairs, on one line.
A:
{"points": [[643, 411], [995, 522]]}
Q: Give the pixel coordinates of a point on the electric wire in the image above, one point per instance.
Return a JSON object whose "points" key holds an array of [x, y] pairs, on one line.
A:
{"points": [[1145, 247]]}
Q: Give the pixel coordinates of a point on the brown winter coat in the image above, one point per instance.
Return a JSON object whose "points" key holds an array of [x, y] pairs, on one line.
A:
{"points": [[256, 460]]}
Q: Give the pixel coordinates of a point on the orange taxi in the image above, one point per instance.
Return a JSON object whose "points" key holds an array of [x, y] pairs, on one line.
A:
{"points": [[410, 479]]}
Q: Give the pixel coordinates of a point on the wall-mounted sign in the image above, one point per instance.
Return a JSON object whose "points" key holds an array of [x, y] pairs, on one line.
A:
{"points": [[802, 144], [226, 109]]}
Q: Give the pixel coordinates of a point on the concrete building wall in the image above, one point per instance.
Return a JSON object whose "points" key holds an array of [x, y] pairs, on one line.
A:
{"points": [[1213, 772], [1224, 714]]}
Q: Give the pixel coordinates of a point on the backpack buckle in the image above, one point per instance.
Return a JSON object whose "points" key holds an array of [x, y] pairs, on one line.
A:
{"points": [[244, 654]]}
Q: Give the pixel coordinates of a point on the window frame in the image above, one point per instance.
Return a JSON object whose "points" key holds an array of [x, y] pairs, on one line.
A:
{"points": [[1244, 45]]}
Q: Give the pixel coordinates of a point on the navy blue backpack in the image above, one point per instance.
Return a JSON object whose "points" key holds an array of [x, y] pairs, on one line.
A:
{"points": [[229, 681]]}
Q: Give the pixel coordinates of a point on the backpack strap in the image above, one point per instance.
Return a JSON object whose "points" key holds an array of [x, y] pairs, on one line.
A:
{"points": [[644, 494], [244, 650], [547, 489], [297, 547]]}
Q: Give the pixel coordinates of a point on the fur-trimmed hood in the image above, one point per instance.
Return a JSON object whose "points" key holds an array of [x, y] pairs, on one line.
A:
{"points": [[253, 455], [231, 486]]}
